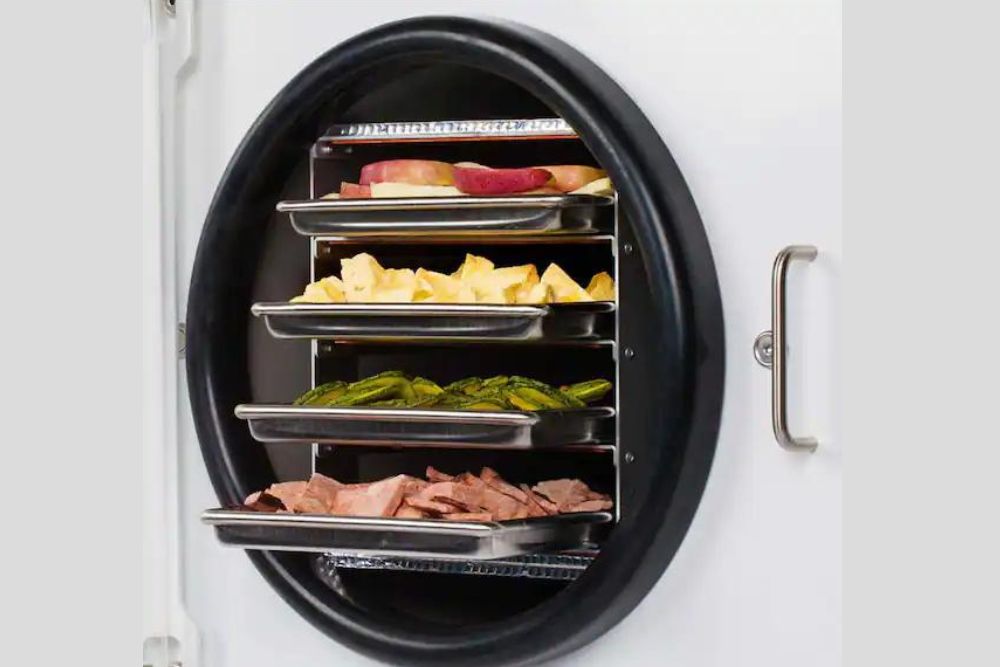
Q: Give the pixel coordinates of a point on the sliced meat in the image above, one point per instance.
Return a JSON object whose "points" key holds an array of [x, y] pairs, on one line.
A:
{"points": [[407, 512], [263, 502], [500, 505], [565, 493], [435, 475], [413, 486], [380, 498], [318, 497], [523, 512], [287, 492], [537, 505], [468, 516], [463, 496], [491, 477], [429, 506], [592, 506]]}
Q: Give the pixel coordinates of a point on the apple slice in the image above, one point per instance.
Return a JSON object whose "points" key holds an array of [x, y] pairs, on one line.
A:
{"points": [[415, 172], [354, 191], [480, 181], [569, 177]]}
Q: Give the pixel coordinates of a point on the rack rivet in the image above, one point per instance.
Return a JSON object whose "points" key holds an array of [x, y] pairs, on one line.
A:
{"points": [[629, 353], [629, 457], [627, 248], [325, 149]]}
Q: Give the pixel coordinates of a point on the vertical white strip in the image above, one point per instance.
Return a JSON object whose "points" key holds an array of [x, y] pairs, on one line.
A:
{"points": [[168, 633]]}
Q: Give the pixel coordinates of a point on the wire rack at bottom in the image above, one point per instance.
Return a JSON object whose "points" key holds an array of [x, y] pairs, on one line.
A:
{"points": [[562, 567]]}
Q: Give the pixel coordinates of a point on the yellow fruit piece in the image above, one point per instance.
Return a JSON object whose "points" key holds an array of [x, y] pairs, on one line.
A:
{"points": [[331, 195], [444, 288], [314, 293], [537, 293], [515, 275], [395, 286], [473, 270], [566, 289], [360, 274], [494, 292], [394, 190], [602, 287], [601, 186]]}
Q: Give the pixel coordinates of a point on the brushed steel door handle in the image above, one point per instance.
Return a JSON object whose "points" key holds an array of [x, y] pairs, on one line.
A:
{"points": [[770, 349]]}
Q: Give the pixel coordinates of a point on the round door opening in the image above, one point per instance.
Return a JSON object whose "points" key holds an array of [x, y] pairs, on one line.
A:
{"points": [[661, 345]]}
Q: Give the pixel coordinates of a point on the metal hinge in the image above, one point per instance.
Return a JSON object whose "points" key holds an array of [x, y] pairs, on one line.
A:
{"points": [[181, 339]]}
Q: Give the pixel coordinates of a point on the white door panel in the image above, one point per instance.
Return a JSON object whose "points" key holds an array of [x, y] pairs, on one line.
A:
{"points": [[747, 97]]}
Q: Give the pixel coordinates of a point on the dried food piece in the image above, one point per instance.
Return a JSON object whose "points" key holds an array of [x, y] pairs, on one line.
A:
{"points": [[588, 391]]}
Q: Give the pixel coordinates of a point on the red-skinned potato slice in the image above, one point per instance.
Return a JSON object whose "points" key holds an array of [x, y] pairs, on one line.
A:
{"points": [[569, 177], [354, 191], [479, 181], [414, 172]]}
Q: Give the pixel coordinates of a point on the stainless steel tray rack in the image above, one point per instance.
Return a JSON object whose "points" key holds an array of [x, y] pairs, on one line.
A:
{"points": [[418, 538], [446, 131], [554, 566], [580, 428], [452, 216], [585, 322]]}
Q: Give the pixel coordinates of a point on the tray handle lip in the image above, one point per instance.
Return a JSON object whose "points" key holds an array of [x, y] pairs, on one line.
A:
{"points": [[251, 411], [221, 516], [286, 308], [441, 203]]}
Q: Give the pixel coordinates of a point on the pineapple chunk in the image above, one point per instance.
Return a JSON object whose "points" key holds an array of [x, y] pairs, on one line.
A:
{"points": [[473, 270], [314, 293], [360, 275], [537, 293], [515, 275], [331, 195], [444, 288], [566, 289], [395, 286], [494, 292], [602, 287]]}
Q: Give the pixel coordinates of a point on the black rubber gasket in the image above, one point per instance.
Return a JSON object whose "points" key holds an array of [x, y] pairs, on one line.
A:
{"points": [[675, 252]]}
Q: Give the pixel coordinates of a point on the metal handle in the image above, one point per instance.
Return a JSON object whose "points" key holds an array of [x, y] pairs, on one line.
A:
{"points": [[770, 349]]}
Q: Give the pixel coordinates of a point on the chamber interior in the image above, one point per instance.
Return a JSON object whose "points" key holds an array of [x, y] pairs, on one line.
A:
{"points": [[282, 369]]}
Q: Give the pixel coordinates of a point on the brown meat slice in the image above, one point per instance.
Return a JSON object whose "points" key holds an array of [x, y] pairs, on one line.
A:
{"points": [[318, 497], [263, 502], [468, 516], [380, 498], [287, 492], [491, 477], [413, 486], [500, 505], [429, 506], [565, 493], [591, 506], [537, 505], [435, 475], [407, 512], [463, 496]]}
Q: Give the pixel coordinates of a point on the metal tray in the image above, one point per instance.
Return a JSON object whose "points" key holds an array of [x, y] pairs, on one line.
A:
{"points": [[555, 566], [376, 536], [416, 427], [448, 130], [451, 216], [432, 321]]}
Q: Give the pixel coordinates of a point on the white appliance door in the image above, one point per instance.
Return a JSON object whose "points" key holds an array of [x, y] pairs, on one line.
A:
{"points": [[748, 98]]}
